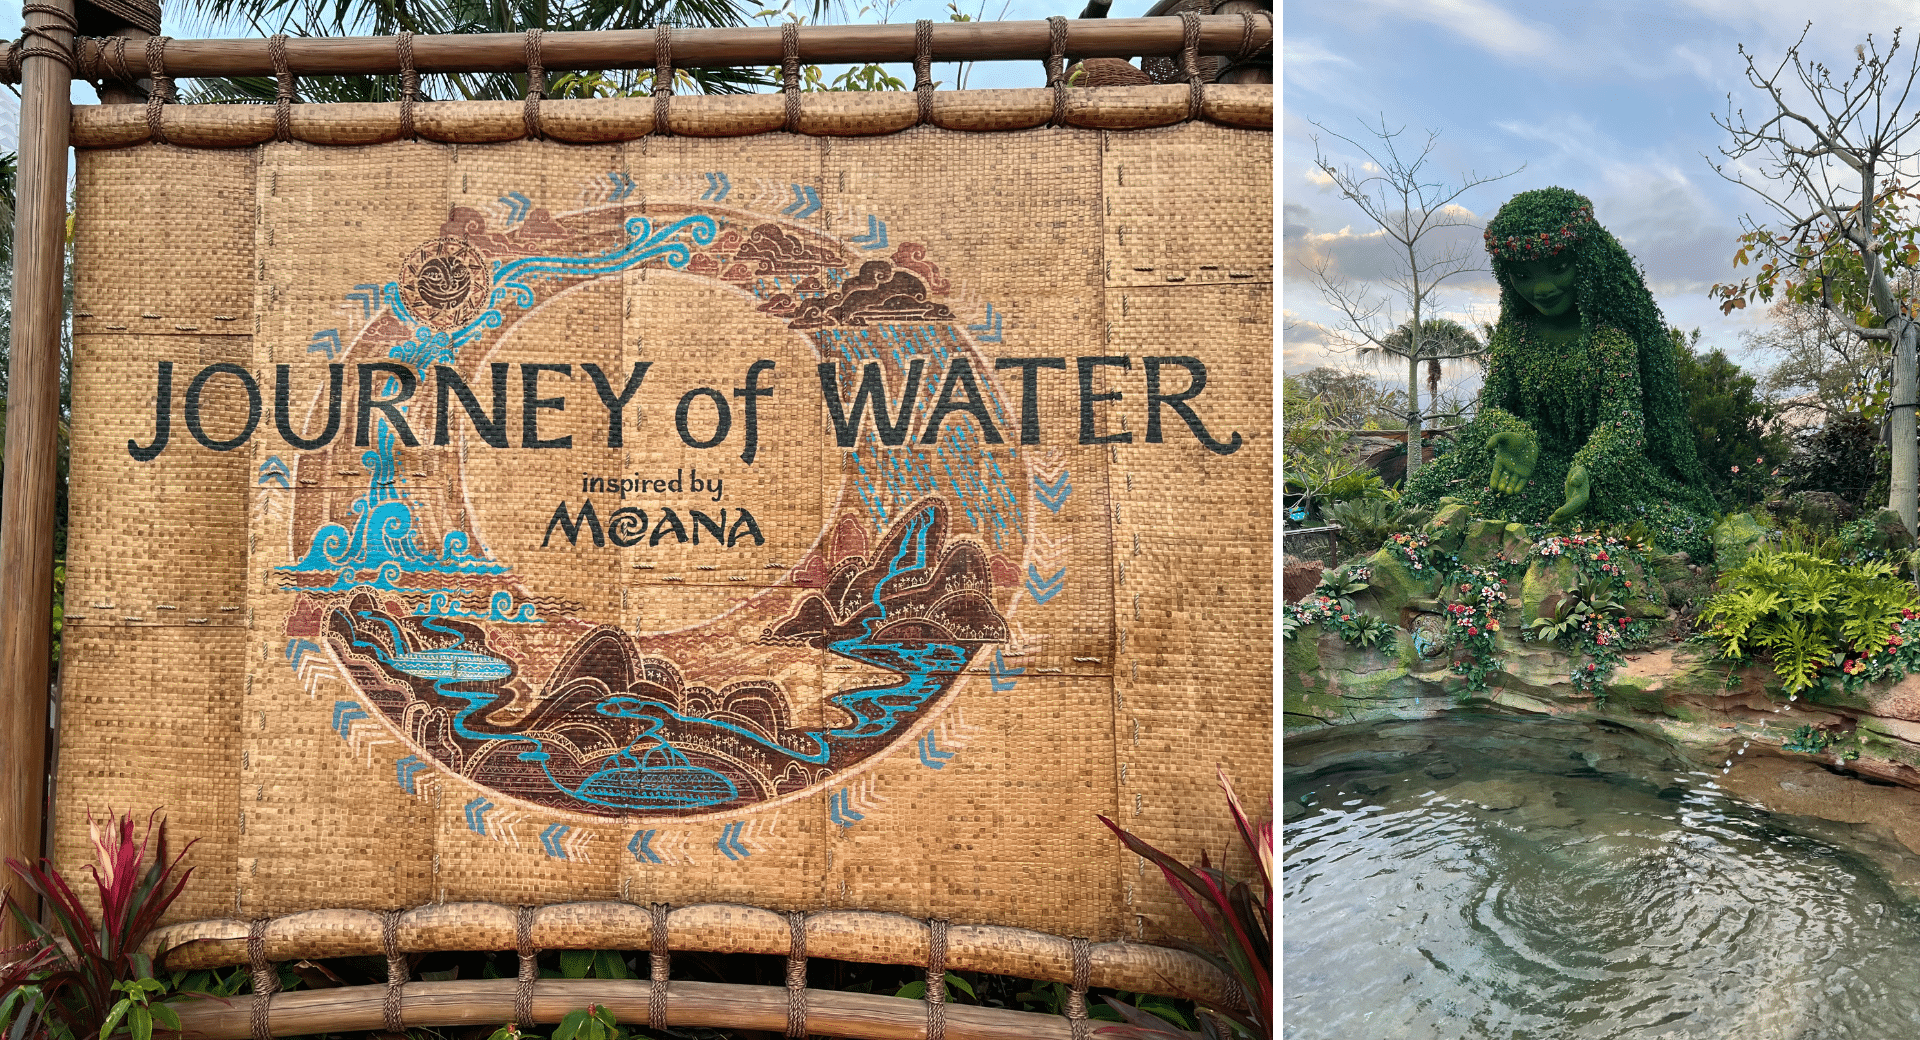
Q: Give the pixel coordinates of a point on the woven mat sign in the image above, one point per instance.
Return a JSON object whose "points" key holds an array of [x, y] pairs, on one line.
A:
{"points": [[777, 520]]}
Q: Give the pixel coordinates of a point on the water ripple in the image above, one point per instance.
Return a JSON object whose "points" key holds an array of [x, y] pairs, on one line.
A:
{"points": [[1524, 879]]}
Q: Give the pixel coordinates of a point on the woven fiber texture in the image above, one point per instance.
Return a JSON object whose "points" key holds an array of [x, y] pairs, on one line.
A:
{"points": [[800, 522]]}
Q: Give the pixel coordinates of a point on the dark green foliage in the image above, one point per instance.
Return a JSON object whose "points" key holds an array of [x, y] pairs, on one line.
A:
{"points": [[1353, 487], [1729, 421], [1843, 457], [1613, 404], [1366, 523], [1350, 400]]}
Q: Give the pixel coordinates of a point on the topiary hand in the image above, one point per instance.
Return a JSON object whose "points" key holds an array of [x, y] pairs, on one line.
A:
{"points": [[1514, 454], [1577, 488]]}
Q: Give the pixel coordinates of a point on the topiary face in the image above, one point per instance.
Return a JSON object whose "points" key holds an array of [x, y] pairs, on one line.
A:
{"points": [[1547, 284], [1551, 233]]}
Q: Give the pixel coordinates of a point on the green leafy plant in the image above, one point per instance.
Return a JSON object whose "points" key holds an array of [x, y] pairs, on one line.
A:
{"points": [[1809, 740], [1238, 922], [1331, 606], [593, 1022], [1809, 613], [83, 977], [956, 983], [1367, 523], [1599, 628], [1473, 620]]}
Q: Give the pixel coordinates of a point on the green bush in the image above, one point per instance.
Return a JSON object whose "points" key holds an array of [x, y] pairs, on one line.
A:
{"points": [[1365, 484], [1807, 612], [1843, 457], [1366, 523]]}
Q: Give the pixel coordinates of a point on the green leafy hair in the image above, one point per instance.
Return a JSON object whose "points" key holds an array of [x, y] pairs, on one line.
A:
{"points": [[1610, 293]]}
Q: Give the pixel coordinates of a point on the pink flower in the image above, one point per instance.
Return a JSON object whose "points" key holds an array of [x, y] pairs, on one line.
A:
{"points": [[1736, 469], [1473, 631]]}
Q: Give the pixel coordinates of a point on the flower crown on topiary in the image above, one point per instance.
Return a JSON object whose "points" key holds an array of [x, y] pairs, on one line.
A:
{"points": [[1540, 244]]}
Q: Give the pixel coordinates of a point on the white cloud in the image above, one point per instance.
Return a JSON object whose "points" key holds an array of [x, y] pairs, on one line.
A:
{"points": [[1480, 22]]}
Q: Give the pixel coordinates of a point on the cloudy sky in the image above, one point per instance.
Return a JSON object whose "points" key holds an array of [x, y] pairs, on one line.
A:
{"points": [[1612, 99]]}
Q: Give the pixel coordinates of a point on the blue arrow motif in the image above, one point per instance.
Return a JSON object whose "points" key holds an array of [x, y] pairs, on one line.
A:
{"points": [[327, 342], [404, 769], [876, 234], [1044, 589], [930, 754], [365, 294], [840, 808], [1053, 495], [297, 650], [642, 847], [274, 469], [724, 187], [477, 815], [730, 844], [345, 714], [717, 187], [517, 206], [550, 840], [989, 331], [1001, 676], [622, 186], [805, 203]]}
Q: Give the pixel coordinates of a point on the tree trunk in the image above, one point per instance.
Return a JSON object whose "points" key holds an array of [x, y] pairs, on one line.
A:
{"points": [[1414, 453], [1904, 495]]}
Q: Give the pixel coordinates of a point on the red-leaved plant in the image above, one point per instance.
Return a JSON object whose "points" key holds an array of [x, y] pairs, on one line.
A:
{"points": [[1239, 926], [83, 978]]}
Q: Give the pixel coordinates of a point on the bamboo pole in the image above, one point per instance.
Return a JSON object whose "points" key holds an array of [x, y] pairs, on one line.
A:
{"points": [[33, 421], [697, 48], [856, 1016], [605, 120], [863, 936]]}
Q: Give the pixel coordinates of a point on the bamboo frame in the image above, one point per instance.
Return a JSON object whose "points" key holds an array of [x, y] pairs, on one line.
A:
{"points": [[696, 48], [857, 1016], [32, 453], [26, 533], [850, 935]]}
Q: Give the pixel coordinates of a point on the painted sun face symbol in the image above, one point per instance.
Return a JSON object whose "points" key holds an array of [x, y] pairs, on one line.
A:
{"points": [[446, 283]]}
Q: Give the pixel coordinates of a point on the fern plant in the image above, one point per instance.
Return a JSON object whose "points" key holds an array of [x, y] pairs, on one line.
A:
{"points": [[1807, 611]]}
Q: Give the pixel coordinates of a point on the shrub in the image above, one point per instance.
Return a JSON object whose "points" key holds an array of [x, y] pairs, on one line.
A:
{"points": [[1843, 457], [1807, 612], [87, 978], [1366, 524]]}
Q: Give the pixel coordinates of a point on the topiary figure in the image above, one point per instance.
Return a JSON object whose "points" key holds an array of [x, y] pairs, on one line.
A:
{"points": [[1581, 416]]}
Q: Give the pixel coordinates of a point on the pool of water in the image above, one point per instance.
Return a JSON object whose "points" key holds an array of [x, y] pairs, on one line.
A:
{"points": [[1482, 877]]}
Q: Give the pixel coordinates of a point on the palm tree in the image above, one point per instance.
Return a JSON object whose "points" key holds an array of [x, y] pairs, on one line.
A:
{"points": [[390, 17]]}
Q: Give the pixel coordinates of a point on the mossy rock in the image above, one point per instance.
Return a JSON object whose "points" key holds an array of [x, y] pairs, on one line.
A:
{"points": [[1672, 568], [1515, 543], [1393, 585], [1484, 541], [1889, 532], [1448, 528], [1545, 577], [1735, 538], [1645, 599]]}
